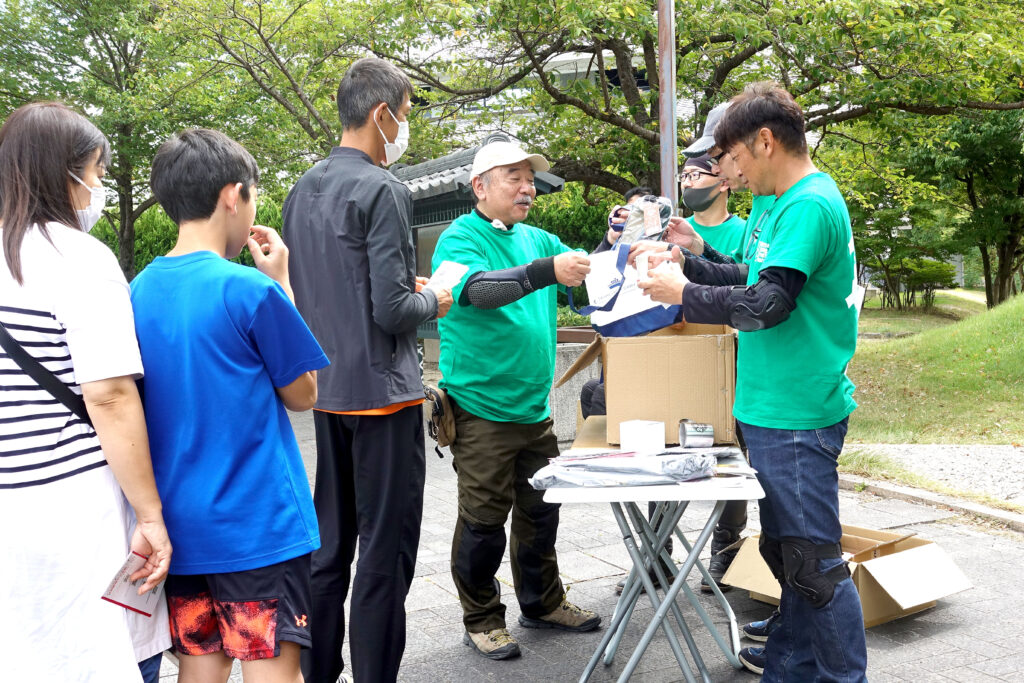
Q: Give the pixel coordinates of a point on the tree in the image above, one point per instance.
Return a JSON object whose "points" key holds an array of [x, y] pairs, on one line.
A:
{"points": [[843, 59], [979, 168], [107, 59]]}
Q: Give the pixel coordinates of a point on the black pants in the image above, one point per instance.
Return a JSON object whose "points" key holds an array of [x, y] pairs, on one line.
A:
{"points": [[369, 486], [734, 516]]}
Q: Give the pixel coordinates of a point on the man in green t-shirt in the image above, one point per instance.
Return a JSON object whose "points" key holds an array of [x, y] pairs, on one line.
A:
{"points": [[794, 303], [498, 363], [706, 193]]}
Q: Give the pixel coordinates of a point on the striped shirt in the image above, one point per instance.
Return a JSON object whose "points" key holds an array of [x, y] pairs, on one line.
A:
{"points": [[74, 316]]}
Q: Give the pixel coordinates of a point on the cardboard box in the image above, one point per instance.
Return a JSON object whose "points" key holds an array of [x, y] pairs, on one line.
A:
{"points": [[895, 574], [666, 376]]}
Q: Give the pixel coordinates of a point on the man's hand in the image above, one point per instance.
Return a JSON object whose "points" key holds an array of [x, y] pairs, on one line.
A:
{"points": [[681, 233], [647, 247], [150, 540], [616, 222], [270, 254], [571, 268], [665, 284], [420, 282], [444, 301]]}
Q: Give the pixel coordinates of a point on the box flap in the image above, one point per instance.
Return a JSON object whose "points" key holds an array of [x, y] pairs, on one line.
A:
{"points": [[748, 570], [588, 356], [691, 329], [883, 549], [917, 575], [592, 433]]}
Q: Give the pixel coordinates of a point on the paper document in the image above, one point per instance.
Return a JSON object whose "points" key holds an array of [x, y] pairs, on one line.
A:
{"points": [[125, 592], [446, 276]]}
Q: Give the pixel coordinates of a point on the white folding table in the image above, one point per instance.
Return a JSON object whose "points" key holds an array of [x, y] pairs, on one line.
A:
{"points": [[645, 542]]}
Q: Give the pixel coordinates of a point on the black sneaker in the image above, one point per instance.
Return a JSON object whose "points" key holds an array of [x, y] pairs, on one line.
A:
{"points": [[752, 659], [717, 567], [760, 630]]}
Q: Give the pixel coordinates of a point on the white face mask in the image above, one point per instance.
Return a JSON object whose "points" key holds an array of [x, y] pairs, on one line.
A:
{"points": [[88, 217], [393, 151]]}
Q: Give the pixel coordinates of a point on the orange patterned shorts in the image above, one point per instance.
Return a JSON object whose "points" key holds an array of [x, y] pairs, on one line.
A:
{"points": [[244, 614]]}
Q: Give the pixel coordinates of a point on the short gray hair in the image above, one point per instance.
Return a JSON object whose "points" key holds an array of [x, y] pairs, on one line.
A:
{"points": [[367, 83]]}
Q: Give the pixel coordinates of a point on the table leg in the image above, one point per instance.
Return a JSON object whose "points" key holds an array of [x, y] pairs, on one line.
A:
{"points": [[670, 597], [633, 585], [646, 533]]}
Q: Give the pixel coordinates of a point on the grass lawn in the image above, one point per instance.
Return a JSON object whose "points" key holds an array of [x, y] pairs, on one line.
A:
{"points": [[948, 308], [958, 383]]}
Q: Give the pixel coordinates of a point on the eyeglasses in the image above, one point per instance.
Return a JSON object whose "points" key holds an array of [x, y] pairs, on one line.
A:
{"points": [[716, 159], [694, 176]]}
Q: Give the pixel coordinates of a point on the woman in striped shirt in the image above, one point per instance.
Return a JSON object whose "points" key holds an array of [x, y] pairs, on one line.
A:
{"points": [[63, 483]]}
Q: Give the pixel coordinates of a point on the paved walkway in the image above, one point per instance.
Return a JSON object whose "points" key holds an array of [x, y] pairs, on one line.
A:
{"points": [[971, 636]]}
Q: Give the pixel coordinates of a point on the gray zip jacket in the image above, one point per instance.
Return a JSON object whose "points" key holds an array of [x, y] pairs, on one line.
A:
{"points": [[347, 224]]}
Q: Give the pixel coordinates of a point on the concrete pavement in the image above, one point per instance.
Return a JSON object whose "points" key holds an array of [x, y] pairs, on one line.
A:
{"points": [[970, 636]]}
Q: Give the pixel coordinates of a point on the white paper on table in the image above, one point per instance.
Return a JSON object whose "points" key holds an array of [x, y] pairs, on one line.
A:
{"points": [[446, 276], [124, 592], [604, 277]]}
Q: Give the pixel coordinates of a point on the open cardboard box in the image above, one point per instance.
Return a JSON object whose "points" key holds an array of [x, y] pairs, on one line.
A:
{"points": [[667, 375], [895, 574]]}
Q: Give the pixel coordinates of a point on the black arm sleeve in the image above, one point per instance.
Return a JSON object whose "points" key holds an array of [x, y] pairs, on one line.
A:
{"points": [[764, 304], [707, 273], [715, 256], [496, 288]]}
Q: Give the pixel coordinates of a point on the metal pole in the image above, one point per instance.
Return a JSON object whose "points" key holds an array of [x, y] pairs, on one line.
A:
{"points": [[667, 99]]}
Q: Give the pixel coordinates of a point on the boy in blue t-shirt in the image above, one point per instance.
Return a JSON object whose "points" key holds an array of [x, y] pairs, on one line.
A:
{"points": [[225, 352]]}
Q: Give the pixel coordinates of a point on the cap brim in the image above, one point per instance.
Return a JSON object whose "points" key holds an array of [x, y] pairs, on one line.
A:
{"points": [[539, 163], [702, 145]]}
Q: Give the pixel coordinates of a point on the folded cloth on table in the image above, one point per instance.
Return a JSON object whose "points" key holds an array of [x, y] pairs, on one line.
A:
{"points": [[626, 471]]}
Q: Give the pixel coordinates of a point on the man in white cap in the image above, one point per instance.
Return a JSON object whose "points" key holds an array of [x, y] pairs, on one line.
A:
{"points": [[498, 361]]}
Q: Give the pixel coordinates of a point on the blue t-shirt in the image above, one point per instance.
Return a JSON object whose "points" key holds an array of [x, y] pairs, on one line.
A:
{"points": [[216, 338]]}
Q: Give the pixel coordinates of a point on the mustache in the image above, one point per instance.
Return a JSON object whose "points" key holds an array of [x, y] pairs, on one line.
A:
{"points": [[524, 201]]}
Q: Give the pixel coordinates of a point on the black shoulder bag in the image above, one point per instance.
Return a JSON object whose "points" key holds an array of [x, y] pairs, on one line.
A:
{"points": [[43, 377]]}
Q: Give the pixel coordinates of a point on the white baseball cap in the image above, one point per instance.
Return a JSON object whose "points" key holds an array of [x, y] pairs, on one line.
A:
{"points": [[502, 153]]}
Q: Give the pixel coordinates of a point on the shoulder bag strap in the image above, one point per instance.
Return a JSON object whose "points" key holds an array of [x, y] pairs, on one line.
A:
{"points": [[43, 377]]}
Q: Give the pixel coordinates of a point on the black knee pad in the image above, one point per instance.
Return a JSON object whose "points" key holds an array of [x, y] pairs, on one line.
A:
{"points": [[771, 551], [800, 563]]}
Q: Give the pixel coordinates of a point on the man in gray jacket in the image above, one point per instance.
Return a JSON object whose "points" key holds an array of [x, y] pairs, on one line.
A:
{"points": [[353, 268]]}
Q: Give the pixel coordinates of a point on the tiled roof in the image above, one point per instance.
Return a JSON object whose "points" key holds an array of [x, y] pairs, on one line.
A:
{"points": [[450, 173]]}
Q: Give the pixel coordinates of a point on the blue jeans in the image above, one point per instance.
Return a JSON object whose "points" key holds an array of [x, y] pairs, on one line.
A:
{"points": [[797, 469]]}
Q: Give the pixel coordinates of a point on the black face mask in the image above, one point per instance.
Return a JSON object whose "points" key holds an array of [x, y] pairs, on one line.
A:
{"points": [[699, 199]]}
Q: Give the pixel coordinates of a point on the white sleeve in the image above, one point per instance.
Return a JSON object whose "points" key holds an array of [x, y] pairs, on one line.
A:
{"points": [[93, 303]]}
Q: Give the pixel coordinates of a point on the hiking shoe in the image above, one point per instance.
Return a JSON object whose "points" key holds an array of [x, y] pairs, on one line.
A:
{"points": [[568, 617], [497, 643], [752, 659], [760, 630], [718, 565]]}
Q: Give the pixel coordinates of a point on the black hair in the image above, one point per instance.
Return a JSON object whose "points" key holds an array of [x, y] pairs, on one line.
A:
{"points": [[367, 83], [764, 104], [192, 167], [40, 144], [632, 192]]}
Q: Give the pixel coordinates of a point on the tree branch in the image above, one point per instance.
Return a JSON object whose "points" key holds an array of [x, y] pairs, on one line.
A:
{"points": [[588, 109]]}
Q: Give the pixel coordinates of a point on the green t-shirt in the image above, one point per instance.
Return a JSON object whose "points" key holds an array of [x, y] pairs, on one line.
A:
{"points": [[499, 364], [793, 375], [725, 237]]}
